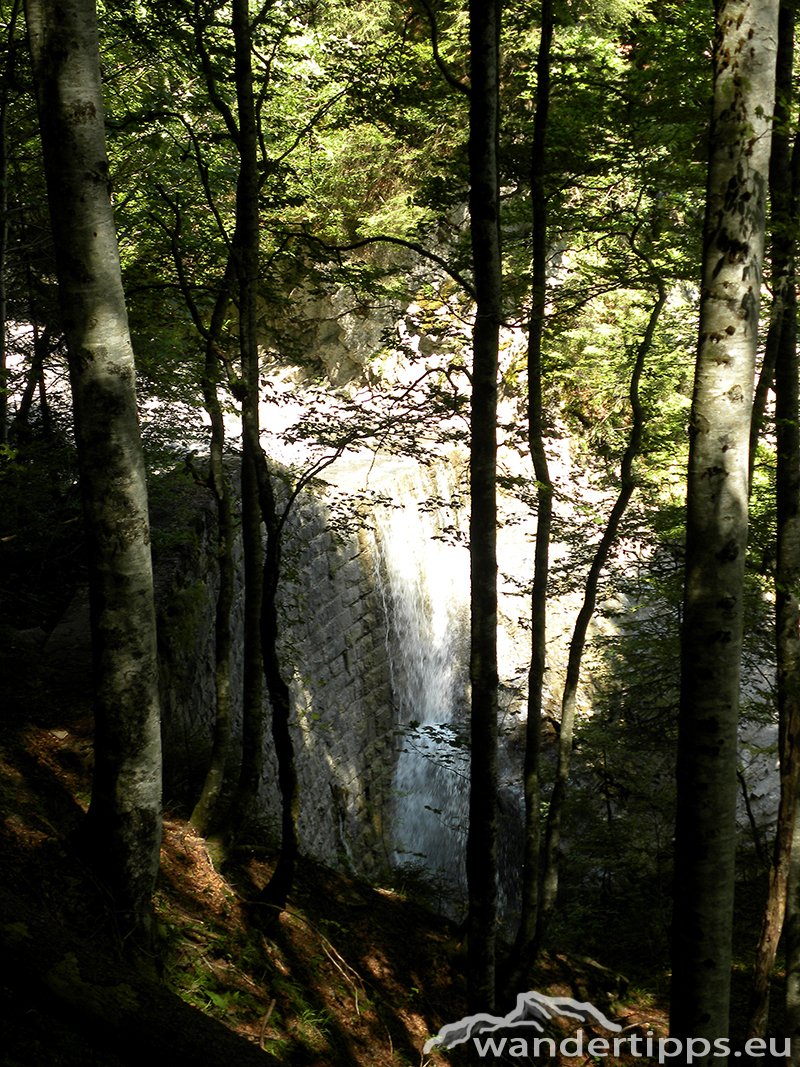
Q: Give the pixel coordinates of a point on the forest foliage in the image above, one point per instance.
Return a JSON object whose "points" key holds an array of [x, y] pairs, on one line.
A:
{"points": [[363, 174]]}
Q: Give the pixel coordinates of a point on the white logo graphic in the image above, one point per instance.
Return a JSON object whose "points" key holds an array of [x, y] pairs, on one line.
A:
{"points": [[531, 1010]]}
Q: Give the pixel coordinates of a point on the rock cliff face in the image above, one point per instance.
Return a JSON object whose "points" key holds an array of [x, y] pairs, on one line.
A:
{"points": [[333, 659], [374, 630], [374, 645], [344, 720], [374, 614]]}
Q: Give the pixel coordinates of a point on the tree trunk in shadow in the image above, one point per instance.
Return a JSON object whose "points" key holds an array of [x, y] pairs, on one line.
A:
{"points": [[526, 933], [783, 197], [121, 835], [555, 812], [484, 206], [278, 888], [246, 258], [205, 813]]}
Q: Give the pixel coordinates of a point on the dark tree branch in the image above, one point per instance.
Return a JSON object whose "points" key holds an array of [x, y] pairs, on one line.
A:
{"points": [[214, 96], [449, 77], [467, 286]]}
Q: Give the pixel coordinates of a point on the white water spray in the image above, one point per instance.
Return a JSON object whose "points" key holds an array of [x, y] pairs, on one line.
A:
{"points": [[422, 573]]}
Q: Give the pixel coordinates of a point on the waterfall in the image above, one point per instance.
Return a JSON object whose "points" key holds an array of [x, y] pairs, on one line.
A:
{"points": [[422, 574]]}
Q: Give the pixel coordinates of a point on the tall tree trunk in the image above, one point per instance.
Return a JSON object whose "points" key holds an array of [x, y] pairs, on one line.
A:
{"points": [[122, 831], [526, 933], [484, 204], [780, 194], [262, 569], [792, 945], [787, 611], [277, 890], [206, 811], [279, 886], [787, 487], [4, 101], [716, 521], [787, 645], [551, 859], [246, 259]]}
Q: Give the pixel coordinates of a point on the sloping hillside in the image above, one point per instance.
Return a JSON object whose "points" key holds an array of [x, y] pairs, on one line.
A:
{"points": [[350, 974]]}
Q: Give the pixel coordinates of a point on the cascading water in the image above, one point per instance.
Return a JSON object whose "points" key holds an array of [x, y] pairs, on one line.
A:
{"points": [[422, 573]]}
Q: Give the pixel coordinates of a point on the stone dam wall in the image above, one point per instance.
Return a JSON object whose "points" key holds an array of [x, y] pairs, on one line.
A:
{"points": [[333, 656]]}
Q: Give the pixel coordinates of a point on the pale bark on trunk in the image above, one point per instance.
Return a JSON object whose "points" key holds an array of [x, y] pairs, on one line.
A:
{"points": [[122, 831], [484, 206], [716, 522]]}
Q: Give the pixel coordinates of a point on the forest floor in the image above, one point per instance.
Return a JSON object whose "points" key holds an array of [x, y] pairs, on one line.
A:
{"points": [[351, 974]]}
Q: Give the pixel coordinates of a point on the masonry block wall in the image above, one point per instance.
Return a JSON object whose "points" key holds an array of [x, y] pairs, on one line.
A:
{"points": [[334, 657]]}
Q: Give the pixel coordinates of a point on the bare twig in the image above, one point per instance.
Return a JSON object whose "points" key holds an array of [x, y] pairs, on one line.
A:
{"points": [[264, 1025]]}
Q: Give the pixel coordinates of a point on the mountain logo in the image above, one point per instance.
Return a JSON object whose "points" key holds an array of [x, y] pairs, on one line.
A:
{"points": [[532, 1009]]}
